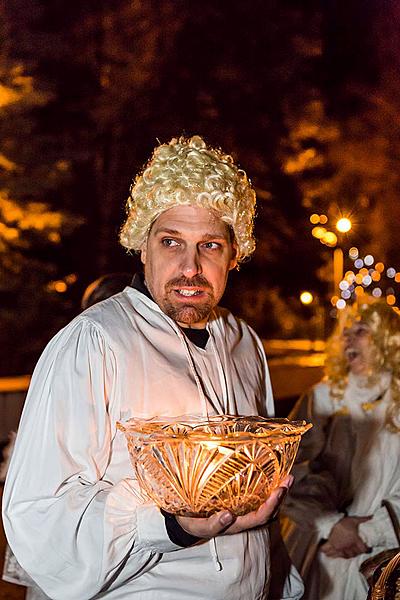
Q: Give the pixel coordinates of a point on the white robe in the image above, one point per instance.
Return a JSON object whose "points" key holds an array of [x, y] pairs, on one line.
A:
{"points": [[72, 510], [350, 461]]}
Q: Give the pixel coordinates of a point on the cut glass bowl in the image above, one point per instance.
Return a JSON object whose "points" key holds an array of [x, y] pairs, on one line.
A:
{"points": [[195, 466]]}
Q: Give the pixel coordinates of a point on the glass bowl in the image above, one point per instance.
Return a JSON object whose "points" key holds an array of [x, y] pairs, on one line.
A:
{"points": [[195, 466]]}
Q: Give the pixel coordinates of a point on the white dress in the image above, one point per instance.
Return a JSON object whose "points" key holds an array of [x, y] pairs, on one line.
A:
{"points": [[72, 510], [347, 464]]}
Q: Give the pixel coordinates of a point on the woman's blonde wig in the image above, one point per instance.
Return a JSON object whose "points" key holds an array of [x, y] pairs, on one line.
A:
{"points": [[188, 172], [383, 322]]}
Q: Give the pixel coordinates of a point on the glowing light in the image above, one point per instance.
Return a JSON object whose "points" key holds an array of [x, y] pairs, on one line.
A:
{"points": [[349, 276], [329, 238], [334, 299], [314, 219], [54, 237], [343, 225], [344, 285], [71, 278], [57, 286], [323, 219], [359, 291], [306, 297], [391, 299], [358, 263], [353, 253], [369, 260], [397, 278], [367, 280], [391, 272], [380, 267], [375, 276], [377, 292], [346, 294], [318, 232], [359, 278], [363, 271], [340, 304]]}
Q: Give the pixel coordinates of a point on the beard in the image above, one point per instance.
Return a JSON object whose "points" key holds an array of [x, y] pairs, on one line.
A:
{"points": [[188, 312]]}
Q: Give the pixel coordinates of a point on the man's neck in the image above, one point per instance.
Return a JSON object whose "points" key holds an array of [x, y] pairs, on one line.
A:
{"points": [[198, 335]]}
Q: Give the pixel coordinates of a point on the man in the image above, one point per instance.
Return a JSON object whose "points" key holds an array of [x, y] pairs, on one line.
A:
{"points": [[72, 511]]}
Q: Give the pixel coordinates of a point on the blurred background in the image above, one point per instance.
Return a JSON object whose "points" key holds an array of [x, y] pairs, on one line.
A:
{"points": [[305, 96]]}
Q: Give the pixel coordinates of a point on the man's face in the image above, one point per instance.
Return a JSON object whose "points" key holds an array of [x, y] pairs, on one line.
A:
{"points": [[357, 347], [187, 258]]}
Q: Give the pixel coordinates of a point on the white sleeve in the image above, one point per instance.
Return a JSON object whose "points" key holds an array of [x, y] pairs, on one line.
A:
{"points": [[379, 530], [73, 531]]}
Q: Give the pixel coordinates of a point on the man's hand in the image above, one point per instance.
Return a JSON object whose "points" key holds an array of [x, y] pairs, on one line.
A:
{"points": [[343, 540], [224, 523]]}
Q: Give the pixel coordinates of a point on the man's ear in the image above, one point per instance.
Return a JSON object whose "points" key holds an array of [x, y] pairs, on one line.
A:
{"points": [[233, 263], [143, 250]]}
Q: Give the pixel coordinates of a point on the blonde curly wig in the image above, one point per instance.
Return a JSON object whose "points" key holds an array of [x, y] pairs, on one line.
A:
{"points": [[383, 322], [188, 172]]}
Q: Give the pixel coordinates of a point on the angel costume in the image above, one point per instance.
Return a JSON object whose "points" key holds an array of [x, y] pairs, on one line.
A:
{"points": [[347, 465]]}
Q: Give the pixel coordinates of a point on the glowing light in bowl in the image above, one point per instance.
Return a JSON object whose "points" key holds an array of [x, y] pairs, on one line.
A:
{"points": [[196, 466]]}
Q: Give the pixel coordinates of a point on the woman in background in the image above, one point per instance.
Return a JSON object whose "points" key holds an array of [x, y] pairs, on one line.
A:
{"points": [[345, 500]]}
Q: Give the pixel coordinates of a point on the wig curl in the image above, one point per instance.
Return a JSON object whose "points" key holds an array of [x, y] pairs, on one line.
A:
{"points": [[383, 322], [188, 172]]}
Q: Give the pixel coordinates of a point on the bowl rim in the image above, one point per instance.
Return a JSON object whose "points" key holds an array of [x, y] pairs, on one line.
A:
{"points": [[158, 428]]}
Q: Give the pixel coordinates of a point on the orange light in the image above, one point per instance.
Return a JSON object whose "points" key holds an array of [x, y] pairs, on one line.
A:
{"points": [[318, 232], [391, 299], [329, 238], [60, 286], [314, 219]]}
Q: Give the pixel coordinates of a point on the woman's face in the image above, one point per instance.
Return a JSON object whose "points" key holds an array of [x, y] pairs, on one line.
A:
{"points": [[357, 347]]}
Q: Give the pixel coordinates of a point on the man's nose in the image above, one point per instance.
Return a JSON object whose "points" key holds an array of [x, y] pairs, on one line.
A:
{"points": [[191, 262]]}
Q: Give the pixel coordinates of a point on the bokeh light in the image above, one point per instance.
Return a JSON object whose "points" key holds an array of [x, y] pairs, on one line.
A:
{"points": [[340, 304], [318, 232], [329, 238], [306, 297], [369, 260]]}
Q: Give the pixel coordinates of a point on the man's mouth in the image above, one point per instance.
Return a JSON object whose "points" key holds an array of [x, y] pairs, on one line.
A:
{"points": [[188, 293]]}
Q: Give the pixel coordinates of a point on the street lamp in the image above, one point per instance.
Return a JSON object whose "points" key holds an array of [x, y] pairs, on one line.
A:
{"points": [[343, 225], [330, 239]]}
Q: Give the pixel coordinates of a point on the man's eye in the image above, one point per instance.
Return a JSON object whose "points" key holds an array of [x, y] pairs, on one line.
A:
{"points": [[169, 242], [211, 245]]}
